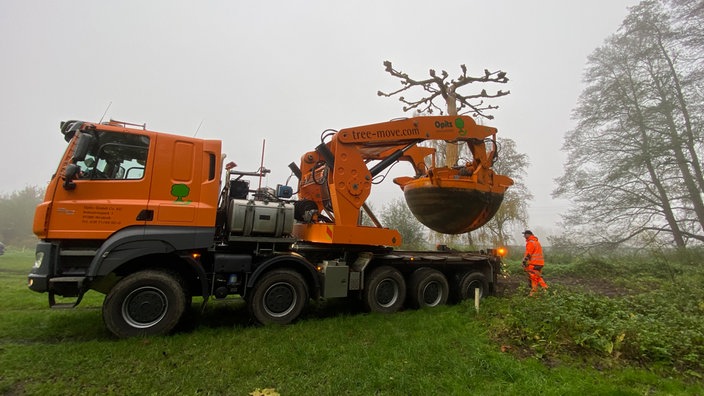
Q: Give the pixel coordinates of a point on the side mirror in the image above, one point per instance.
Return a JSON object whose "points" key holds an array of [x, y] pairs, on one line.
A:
{"points": [[70, 173], [84, 143]]}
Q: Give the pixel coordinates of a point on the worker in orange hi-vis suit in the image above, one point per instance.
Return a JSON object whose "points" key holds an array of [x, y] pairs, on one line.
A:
{"points": [[533, 262]]}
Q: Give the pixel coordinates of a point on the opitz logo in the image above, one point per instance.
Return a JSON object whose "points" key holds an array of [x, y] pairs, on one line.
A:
{"points": [[443, 124]]}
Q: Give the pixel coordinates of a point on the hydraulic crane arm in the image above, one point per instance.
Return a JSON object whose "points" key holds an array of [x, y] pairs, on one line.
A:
{"points": [[336, 178]]}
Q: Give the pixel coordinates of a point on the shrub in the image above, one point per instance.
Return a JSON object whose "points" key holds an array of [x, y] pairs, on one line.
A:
{"points": [[661, 325]]}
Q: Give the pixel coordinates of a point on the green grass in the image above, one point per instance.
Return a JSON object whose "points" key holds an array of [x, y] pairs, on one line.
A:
{"points": [[333, 350]]}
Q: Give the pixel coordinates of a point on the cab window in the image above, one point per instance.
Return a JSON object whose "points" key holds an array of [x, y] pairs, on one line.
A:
{"points": [[115, 156]]}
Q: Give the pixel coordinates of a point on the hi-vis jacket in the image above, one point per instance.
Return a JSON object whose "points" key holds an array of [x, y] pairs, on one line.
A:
{"points": [[534, 251]]}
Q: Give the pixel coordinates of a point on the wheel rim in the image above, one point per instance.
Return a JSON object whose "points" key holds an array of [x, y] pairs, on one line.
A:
{"points": [[280, 299], [475, 284], [432, 294], [145, 307], [386, 293]]}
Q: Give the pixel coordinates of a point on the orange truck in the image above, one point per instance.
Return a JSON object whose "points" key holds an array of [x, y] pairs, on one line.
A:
{"points": [[153, 219]]}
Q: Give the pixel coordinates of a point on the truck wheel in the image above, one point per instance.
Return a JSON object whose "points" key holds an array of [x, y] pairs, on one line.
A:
{"points": [[384, 290], [278, 297], [467, 282], [428, 288], [144, 303]]}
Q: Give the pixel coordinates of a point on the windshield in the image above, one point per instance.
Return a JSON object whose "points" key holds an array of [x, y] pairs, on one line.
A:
{"points": [[115, 156]]}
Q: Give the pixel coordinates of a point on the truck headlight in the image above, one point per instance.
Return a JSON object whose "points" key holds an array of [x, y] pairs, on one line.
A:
{"points": [[38, 259]]}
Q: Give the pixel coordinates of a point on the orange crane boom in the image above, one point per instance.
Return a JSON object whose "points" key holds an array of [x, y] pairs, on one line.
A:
{"points": [[335, 179]]}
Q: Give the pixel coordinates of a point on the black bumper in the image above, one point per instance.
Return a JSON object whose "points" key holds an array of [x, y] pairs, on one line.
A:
{"points": [[45, 256]]}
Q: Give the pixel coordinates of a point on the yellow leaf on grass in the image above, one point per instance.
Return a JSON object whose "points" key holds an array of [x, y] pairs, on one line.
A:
{"points": [[264, 392]]}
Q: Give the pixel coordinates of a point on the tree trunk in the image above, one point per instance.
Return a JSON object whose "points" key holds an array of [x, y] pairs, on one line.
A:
{"points": [[666, 207], [470, 240], [688, 133], [452, 150], [676, 143], [661, 195]]}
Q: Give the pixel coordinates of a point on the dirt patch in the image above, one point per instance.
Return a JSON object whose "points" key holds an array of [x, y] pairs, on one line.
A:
{"points": [[518, 283]]}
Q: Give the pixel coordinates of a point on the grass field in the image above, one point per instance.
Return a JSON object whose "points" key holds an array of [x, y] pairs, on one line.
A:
{"points": [[506, 349]]}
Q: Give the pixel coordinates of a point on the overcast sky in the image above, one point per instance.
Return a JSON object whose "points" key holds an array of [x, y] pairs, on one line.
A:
{"points": [[285, 71]]}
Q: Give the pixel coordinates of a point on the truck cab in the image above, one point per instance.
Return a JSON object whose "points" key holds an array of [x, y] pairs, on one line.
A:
{"points": [[121, 191]]}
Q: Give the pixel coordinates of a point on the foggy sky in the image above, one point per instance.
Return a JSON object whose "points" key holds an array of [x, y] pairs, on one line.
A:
{"points": [[284, 71]]}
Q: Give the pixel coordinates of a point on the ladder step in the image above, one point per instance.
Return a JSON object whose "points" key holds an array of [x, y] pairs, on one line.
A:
{"points": [[78, 280], [71, 286]]}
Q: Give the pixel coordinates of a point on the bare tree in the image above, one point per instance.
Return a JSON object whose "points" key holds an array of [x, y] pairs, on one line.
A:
{"points": [[633, 168], [438, 87], [672, 82], [689, 18]]}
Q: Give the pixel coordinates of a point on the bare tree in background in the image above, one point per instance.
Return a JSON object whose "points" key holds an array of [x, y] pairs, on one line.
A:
{"points": [[438, 87], [634, 168], [689, 18]]}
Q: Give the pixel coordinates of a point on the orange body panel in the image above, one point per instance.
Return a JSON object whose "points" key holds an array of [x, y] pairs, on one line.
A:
{"points": [[97, 208], [341, 234]]}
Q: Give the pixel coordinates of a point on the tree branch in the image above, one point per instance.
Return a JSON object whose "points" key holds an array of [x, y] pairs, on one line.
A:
{"points": [[439, 86]]}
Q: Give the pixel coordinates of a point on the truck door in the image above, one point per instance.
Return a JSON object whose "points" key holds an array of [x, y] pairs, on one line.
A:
{"points": [[185, 187], [109, 192], [175, 187]]}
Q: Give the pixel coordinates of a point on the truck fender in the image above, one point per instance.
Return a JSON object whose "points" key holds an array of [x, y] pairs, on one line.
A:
{"points": [[133, 242], [292, 261]]}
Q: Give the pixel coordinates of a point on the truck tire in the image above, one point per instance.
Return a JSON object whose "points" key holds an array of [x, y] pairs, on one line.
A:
{"points": [[384, 290], [278, 297], [467, 282], [145, 303], [428, 287]]}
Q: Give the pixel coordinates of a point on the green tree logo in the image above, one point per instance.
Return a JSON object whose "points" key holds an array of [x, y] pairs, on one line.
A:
{"points": [[180, 191], [459, 123]]}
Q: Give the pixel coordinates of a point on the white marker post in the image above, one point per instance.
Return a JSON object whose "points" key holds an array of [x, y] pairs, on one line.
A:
{"points": [[476, 299]]}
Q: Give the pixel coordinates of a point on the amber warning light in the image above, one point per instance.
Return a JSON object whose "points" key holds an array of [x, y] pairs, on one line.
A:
{"points": [[501, 251]]}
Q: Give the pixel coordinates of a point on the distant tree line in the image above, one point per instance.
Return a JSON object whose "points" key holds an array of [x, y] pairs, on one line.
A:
{"points": [[17, 214], [634, 159]]}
